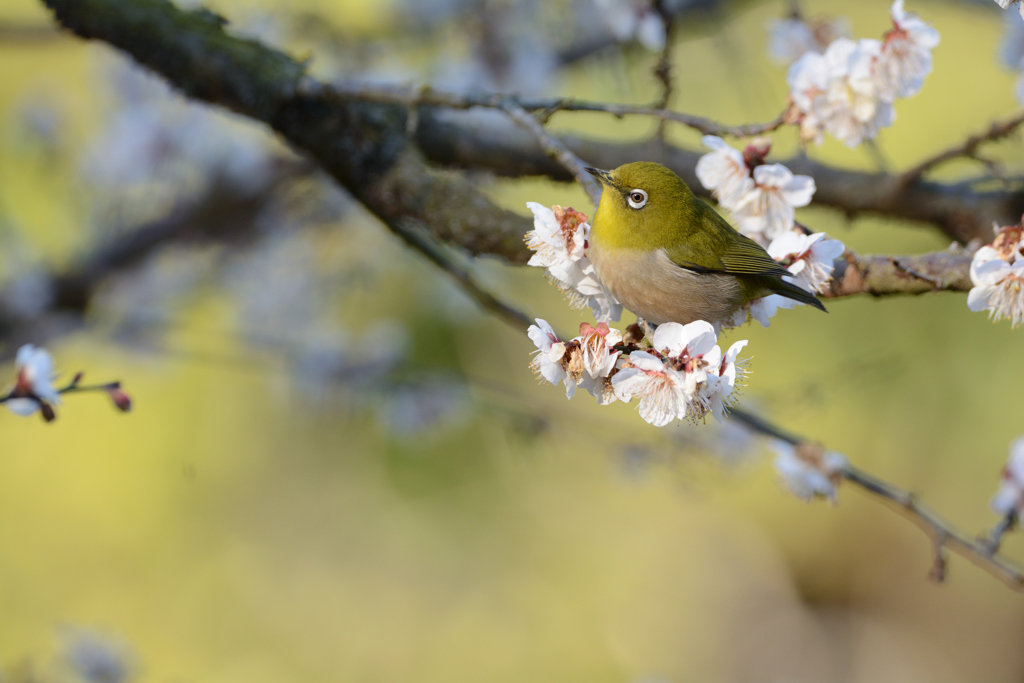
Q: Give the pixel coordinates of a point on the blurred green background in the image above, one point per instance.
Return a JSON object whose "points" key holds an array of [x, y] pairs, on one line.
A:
{"points": [[271, 513]]}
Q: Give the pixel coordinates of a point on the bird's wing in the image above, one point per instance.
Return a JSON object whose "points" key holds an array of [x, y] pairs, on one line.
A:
{"points": [[719, 248], [746, 257]]}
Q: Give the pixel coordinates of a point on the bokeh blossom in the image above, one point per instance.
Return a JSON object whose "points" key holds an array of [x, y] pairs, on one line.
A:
{"points": [[631, 20], [1010, 496], [792, 37], [807, 470], [33, 389], [906, 53]]}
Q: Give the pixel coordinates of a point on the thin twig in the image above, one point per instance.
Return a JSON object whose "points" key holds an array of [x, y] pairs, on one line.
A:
{"points": [[412, 96], [438, 256], [555, 149], [941, 533], [968, 148], [663, 68]]}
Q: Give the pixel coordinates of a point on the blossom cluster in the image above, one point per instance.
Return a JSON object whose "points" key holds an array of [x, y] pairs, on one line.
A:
{"points": [[997, 272], [762, 199], [681, 374], [559, 240], [849, 90]]}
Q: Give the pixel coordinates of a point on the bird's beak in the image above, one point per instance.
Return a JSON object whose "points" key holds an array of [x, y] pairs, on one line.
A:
{"points": [[604, 176]]}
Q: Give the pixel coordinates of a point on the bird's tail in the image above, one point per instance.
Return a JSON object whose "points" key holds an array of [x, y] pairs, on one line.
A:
{"points": [[791, 291]]}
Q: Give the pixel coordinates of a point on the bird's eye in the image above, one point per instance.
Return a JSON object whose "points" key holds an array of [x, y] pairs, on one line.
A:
{"points": [[637, 198]]}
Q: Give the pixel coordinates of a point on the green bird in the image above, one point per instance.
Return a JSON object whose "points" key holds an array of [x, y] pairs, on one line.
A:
{"points": [[669, 257]]}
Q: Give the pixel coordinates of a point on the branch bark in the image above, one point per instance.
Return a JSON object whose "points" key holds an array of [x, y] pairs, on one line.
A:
{"points": [[479, 141], [981, 552]]}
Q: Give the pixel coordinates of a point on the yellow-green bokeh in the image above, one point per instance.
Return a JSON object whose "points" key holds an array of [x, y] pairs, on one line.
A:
{"points": [[233, 533]]}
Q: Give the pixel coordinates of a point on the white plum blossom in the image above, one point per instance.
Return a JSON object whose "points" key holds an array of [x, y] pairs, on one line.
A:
{"points": [[34, 384], [682, 375], [602, 302], [809, 258], [1006, 3], [634, 20], [855, 106], [548, 361], [767, 210], [661, 389], [1010, 496], [559, 239], [597, 342], [685, 375], [807, 470], [763, 205], [722, 377], [839, 92], [667, 385], [686, 345], [906, 53], [997, 272], [792, 37], [599, 360], [558, 245], [724, 171], [848, 90]]}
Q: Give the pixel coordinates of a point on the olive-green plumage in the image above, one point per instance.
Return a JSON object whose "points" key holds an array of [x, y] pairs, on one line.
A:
{"points": [[668, 256]]}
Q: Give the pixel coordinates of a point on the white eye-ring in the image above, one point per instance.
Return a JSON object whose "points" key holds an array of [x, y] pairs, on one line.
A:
{"points": [[637, 198]]}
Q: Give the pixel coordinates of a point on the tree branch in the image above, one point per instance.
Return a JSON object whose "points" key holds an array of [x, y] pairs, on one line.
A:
{"points": [[942, 535], [425, 96], [555, 149], [365, 148], [468, 141], [888, 275], [968, 148]]}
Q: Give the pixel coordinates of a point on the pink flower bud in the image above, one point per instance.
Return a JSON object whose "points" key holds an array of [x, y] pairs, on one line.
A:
{"points": [[120, 398]]}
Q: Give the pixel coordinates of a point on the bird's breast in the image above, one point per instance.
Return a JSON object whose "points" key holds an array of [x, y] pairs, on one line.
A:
{"points": [[656, 289]]}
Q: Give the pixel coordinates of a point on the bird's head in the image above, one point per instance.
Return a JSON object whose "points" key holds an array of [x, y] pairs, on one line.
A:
{"points": [[644, 205]]}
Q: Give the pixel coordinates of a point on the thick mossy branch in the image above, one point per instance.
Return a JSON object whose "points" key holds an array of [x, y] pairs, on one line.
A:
{"points": [[476, 140], [368, 148], [364, 146], [190, 49]]}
